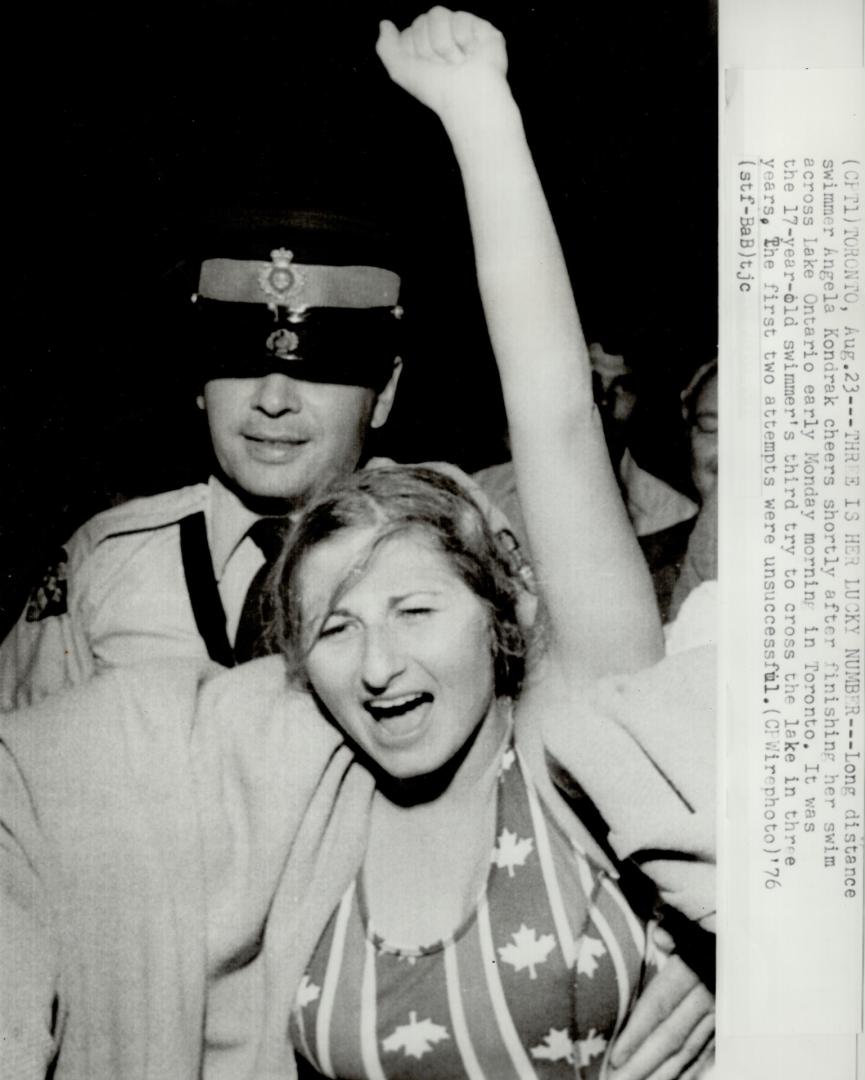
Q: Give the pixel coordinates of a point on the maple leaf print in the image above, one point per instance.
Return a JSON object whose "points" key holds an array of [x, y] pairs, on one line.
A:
{"points": [[527, 950], [415, 1038], [591, 1047], [588, 951], [508, 758], [306, 992], [557, 1046], [511, 851]]}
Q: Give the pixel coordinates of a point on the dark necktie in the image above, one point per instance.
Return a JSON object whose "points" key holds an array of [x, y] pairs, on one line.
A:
{"points": [[258, 610]]}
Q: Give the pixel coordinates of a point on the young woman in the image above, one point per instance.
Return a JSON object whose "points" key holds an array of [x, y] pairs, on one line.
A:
{"points": [[483, 931]]}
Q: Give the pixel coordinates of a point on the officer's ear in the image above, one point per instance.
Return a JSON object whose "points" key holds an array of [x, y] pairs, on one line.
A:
{"points": [[384, 400], [199, 401]]}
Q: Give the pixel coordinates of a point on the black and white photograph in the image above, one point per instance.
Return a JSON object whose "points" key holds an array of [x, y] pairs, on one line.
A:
{"points": [[360, 611]]}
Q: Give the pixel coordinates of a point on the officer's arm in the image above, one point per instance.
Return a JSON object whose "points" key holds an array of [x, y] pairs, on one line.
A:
{"points": [[30, 1018], [598, 591], [47, 649]]}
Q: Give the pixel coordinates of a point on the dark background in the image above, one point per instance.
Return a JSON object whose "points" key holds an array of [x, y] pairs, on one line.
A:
{"points": [[127, 120]]}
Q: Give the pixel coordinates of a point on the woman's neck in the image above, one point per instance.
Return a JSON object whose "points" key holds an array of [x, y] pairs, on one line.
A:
{"points": [[467, 779], [426, 862]]}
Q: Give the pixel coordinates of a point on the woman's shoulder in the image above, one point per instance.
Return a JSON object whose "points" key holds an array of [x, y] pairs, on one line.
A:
{"points": [[671, 701], [545, 699], [258, 682], [651, 731], [660, 705], [255, 710]]}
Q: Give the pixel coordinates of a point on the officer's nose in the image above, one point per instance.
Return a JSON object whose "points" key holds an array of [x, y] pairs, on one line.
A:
{"points": [[382, 659], [276, 394]]}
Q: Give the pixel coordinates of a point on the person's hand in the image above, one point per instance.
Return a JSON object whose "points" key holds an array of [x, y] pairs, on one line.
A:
{"points": [[670, 1031], [448, 60]]}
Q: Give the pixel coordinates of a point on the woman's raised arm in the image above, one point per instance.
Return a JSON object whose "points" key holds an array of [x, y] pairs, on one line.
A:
{"points": [[595, 583]]}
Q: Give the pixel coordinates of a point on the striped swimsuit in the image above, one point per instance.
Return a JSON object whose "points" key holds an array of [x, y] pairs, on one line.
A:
{"points": [[535, 982]]}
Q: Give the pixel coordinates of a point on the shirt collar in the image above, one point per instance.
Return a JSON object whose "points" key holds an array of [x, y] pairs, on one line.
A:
{"points": [[228, 523], [653, 504]]}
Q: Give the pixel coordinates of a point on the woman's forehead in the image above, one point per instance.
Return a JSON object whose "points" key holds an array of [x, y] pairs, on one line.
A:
{"points": [[404, 561]]}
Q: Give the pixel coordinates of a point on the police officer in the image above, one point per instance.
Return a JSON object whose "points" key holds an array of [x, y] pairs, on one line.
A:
{"points": [[294, 330]]}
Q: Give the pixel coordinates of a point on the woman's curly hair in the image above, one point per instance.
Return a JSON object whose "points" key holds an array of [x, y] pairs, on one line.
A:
{"points": [[397, 499]]}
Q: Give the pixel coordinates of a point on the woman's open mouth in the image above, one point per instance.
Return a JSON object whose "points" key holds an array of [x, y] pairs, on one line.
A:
{"points": [[399, 718]]}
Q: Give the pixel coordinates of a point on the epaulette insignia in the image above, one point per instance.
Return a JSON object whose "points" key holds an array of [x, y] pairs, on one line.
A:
{"points": [[49, 596]]}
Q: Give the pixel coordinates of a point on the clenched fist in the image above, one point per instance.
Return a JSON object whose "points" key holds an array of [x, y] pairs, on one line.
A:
{"points": [[450, 61]]}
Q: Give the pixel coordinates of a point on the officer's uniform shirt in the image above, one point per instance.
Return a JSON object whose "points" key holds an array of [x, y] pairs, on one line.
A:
{"points": [[119, 593], [661, 516], [653, 505]]}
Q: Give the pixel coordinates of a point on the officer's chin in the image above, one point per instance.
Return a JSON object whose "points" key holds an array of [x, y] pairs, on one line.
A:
{"points": [[265, 495]]}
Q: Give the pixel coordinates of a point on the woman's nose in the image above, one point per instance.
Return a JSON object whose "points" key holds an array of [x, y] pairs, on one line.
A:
{"points": [[382, 659], [276, 394]]}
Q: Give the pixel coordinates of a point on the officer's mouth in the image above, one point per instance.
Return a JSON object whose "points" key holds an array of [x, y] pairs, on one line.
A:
{"points": [[273, 450]]}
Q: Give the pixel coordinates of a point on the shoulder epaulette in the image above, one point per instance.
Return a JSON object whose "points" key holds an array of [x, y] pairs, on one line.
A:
{"points": [[49, 595], [145, 514]]}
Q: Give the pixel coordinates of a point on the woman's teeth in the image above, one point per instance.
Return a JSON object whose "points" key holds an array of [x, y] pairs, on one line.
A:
{"points": [[386, 709]]}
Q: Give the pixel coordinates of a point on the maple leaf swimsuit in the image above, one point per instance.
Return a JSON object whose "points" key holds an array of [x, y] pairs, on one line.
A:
{"points": [[536, 981]]}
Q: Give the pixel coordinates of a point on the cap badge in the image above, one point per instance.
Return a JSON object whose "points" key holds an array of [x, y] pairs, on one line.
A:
{"points": [[282, 343], [280, 281]]}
